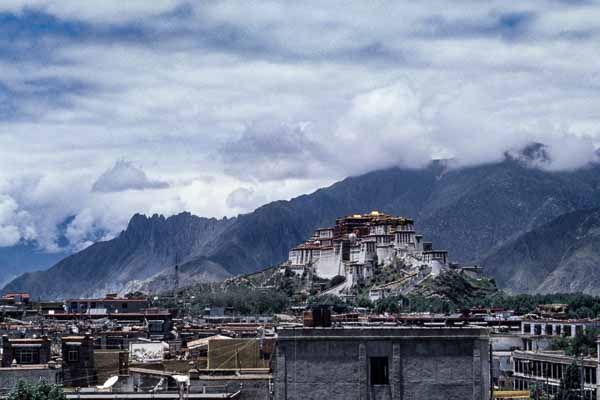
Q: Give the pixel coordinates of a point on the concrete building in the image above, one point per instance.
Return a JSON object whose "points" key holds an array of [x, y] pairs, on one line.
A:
{"points": [[79, 366], [10, 376], [27, 359], [372, 363], [110, 304], [16, 352], [542, 371], [557, 327]]}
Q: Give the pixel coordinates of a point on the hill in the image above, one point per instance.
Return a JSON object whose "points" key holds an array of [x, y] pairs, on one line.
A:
{"points": [[469, 211], [560, 256]]}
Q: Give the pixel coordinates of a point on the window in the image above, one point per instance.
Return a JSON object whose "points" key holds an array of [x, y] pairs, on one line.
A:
{"points": [[379, 371], [155, 326], [25, 357], [124, 305], [73, 355]]}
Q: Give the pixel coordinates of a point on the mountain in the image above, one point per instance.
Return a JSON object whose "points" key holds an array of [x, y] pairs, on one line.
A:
{"points": [[24, 257], [29, 255], [469, 211], [560, 256]]}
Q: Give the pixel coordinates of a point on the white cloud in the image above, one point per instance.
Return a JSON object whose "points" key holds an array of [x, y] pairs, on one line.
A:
{"points": [[125, 176], [272, 100], [245, 199]]}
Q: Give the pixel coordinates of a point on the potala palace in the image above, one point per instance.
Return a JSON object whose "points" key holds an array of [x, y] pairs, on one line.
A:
{"points": [[360, 243]]}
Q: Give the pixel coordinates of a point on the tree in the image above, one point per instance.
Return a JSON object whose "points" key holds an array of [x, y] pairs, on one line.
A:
{"points": [[582, 344], [390, 304], [569, 388], [135, 295], [364, 301], [336, 280], [326, 300], [28, 390]]}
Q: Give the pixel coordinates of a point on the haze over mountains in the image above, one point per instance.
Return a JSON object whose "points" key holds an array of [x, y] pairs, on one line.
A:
{"points": [[476, 213], [560, 256]]}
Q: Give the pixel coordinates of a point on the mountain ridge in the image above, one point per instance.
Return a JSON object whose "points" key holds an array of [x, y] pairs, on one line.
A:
{"points": [[469, 211], [561, 255]]}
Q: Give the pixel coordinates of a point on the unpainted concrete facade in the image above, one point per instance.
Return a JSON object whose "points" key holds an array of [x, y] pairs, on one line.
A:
{"points": [[420, 363]]}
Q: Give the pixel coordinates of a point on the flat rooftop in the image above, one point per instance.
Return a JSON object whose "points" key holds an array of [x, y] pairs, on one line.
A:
{"points": [[381, 332]]}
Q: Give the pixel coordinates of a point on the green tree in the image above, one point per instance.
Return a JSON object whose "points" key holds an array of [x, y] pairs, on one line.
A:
{"points": [[326, 300], [336, 280], [27, 390], [390, 304], [584, 343], [364, 301], [135, 295], [569, 388]]}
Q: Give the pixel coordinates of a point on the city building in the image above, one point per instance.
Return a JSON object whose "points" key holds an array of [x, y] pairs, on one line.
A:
{"points": [[110, 304], [27, 359], [17, 352], [79, 368], [542, 371], [378, 362]]}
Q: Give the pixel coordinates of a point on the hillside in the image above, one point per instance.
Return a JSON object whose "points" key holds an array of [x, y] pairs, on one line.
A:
{"points": [[24, 257], [560, 256], [470, 211]]}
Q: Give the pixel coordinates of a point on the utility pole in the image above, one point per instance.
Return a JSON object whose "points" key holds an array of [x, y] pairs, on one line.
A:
{"points": [[491, 360], [547, 396], [582, 378]]}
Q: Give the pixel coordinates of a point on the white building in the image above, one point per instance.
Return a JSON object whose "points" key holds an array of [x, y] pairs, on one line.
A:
{"points": [[360, 243]]}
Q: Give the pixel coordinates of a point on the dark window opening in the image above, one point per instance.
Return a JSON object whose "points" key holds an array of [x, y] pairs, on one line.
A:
{"points": [[73, 355], [379, 371], [27, 356]]}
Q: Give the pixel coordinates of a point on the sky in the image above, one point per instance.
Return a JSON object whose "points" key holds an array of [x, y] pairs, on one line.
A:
{"points": [[108, 108]]}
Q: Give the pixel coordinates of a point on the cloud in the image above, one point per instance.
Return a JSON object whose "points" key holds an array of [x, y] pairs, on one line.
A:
{"points": [[15, 224], [272, 151], [235, 103], [125, 176], [245, 199]]}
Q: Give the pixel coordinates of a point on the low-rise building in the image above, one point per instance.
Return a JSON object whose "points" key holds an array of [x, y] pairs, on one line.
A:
{"points": [[110, 304], [78, 361], [377, 362], [542, 371], [17, 352]]}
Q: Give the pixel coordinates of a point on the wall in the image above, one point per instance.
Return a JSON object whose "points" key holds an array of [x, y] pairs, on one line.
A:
{"points": [[110, 363], [10, 376], [234, 354], [334, 364], [80, 372], [251, 388]]}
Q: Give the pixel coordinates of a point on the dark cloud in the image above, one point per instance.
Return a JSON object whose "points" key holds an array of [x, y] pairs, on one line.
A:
{"points": [[272, 152], [125, 176]]}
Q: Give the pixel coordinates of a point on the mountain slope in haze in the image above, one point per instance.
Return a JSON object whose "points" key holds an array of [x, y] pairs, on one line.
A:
{"points": [[560, 256], [145, 248], [470, 212], [24, 257]]}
